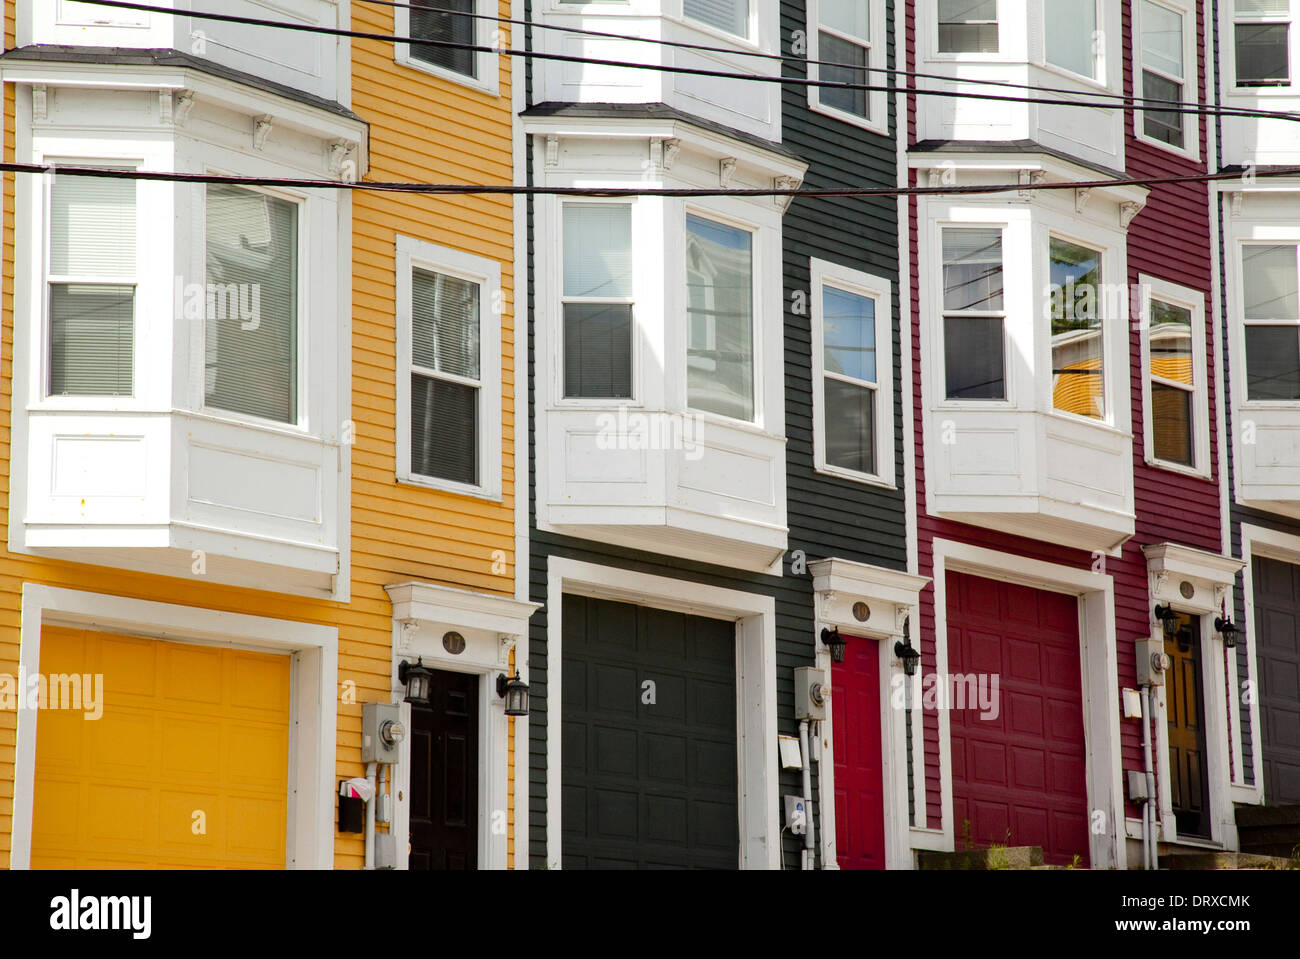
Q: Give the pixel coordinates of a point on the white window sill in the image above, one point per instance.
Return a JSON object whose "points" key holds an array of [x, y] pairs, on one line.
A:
{"points": [[739, 42], [490, 87], [1186, 153], [1189, 471], [871, 126], [1092, 82], [727, 422], [450, 486], [1103, 425], [865, 479]]}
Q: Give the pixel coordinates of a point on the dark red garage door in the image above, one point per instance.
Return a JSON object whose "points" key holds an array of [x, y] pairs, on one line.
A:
{"points": [[859, 799], [1019, 778]]}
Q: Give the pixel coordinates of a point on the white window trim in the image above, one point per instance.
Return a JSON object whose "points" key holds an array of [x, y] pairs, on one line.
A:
{"points": [[413, 253], [1100, 76], [748, 39], [1258, 238], [1191, 81], [877, 101], [301, 423], [309, 828], [488, 79], [1229, 50], [930, 13], [878, 289], [1153, 288]]}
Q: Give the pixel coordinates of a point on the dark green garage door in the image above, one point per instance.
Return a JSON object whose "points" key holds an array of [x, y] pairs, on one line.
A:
{"points": [[649, 747], [1277, 652]]}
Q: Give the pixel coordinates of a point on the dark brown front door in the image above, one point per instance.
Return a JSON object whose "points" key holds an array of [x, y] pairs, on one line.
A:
{"points": [[444, 775], [1277, 652], [1188, 789]]}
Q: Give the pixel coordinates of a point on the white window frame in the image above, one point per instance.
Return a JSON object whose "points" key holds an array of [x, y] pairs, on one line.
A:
{"points": [[1100, 75], [1191, 81], [877, 101], [1243, 364], [933, 30], [419, 254], [489, 76], [878, 289], [1230, 49], [749, 37], [84, 401], [302, 387], [756, 318], [1108, 324], [1194, 302], [936, 284]]}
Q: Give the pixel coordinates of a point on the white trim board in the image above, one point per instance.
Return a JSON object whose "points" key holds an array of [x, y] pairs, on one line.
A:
{"points": [[313, 710]]}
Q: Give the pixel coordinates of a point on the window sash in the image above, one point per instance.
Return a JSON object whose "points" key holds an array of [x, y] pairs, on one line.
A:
{"points": [[597, 252], [427, 21], [1290, 291], [723, 382], [1167, 126], [961, 35], [1066, 24], [1261, 78], [846, 448], [1082, 367], [1264, 362], [854, 102], [729, 16]]}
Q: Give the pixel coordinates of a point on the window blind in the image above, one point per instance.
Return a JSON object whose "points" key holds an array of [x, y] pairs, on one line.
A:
{"points": [[445, 339], [443, 20], [729, 15]]}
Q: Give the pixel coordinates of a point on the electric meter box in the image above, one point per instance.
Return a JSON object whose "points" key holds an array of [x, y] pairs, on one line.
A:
{"points": [[381, 732], [1152, 661], [811, 693]]}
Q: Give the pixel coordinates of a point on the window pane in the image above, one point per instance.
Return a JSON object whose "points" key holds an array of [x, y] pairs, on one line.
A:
{"points": [[1162, 39], [972, 270], [1271, 289], [836, 50], [252, 304], [597, 249], [432, 23], [1170, 339], [92, 227], [597, 351], [729, 15], [849, 332], [847, 16], [1263, 7], [850, 426], [720, 318], [1163, 125], [968, 26], [1171, 424], [444, 429], [1078, 369], [1272, 363], [445, 323], [92, 340], [973, 358], [1262, 58], [1071, 27]]}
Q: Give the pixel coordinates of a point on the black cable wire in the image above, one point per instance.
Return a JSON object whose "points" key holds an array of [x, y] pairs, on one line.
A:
{"points": [[693, 71], [505, 189]]}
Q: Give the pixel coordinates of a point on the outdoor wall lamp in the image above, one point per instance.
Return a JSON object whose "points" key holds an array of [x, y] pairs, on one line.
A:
{"points": [[835, 643], [417, 679], [1228, 630], [515, 692], [905, 651], [1168, 620]]}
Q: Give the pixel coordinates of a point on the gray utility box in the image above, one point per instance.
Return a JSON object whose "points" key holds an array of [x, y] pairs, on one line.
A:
{"points": [[1152, 661], [381, 732], [812, 692]]}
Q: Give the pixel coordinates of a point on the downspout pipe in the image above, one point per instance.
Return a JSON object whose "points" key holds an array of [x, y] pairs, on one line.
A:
{"points": [[1148, 809], [370, 816], [809, 837]]}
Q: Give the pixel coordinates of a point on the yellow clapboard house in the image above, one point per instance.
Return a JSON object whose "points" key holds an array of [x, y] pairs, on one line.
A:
{"points": [[257, 446]]}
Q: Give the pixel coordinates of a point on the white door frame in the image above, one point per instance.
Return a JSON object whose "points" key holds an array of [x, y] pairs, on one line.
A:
{"points": [[1098, 667], [756, 742], [309, 832]]}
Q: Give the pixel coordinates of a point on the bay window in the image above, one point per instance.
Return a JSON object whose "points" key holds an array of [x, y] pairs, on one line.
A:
{"points": [[968, 26], [1162, 73], [729, 16], [1261, 42], [720, 318], [1071, 35], [91, 286], [1078, 340], [251, 341], [973, 319], [596, 300], [1271, 309]]}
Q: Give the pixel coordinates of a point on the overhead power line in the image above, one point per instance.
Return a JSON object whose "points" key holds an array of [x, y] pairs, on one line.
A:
{"points": [[693, 71], [506, 189]]}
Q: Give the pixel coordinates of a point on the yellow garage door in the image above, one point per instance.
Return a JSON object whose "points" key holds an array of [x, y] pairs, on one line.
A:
{"points": [[186, 768]]}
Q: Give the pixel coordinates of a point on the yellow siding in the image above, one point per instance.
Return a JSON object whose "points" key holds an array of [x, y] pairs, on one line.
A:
{"points": [[422, 128]]}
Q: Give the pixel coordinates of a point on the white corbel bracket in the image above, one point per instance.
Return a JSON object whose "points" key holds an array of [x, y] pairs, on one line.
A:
{"points": [[552, 150], [507, 642], [339, 151], [726, 170], [785, 183], [1127, 211], [409, 627], [261, 130], [40, 102]]}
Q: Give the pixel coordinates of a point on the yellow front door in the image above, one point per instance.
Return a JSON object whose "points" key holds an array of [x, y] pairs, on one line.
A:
{"points": [[187, 767]]}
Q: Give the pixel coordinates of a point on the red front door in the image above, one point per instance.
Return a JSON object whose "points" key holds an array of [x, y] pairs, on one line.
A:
{"points": [[859, 790], [1018, 777]]}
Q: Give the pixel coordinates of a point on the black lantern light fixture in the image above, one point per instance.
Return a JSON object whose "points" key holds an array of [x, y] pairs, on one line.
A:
{"points": [[1228, 630], [908, 653], [835, 643], [417, 679], [1168, 620], [515, 692]]}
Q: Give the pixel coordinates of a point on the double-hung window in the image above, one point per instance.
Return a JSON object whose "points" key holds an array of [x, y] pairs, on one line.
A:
{"points": [[449, 22], [1271, 310], [729, 16], [974, 349], [251, 321], [844, 39], [91, 287], [1261, 42], [968, 26], [596, 301], [1162, 71], [1174, 374], [1071, 35], [1078, 336], [852, 373], [719, 318]]}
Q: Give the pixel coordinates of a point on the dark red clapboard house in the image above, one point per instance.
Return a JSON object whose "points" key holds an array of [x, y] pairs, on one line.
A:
{"points": [[1064, 421]]}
